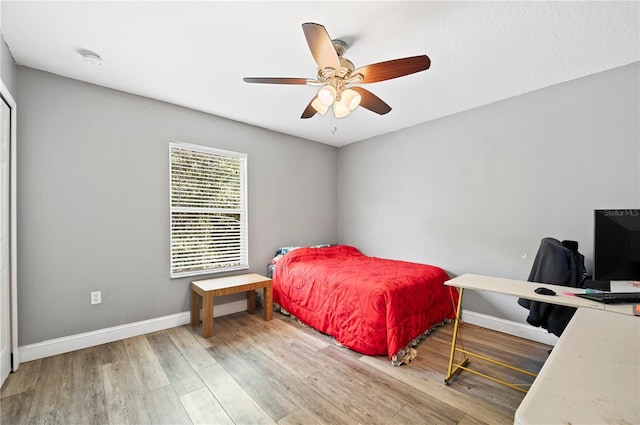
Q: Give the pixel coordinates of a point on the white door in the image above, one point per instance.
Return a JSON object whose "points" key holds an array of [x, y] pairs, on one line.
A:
{"points": [[5, 293]]}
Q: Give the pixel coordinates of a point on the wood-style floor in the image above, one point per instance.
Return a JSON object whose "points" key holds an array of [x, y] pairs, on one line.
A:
{"points": [[257, 372]]}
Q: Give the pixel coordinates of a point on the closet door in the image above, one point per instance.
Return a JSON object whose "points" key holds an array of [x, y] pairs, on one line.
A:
{"points": [[5, 281], [9, 353]]}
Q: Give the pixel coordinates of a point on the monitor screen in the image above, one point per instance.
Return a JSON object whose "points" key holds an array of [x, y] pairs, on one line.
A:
{"points": [[616, 250]]}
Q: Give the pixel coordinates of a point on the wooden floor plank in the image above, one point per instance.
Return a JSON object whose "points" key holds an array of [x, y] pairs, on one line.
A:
{"points": [[341, 396], [196, 331], [177, 369], [53, 417], [52, 386], [24, 379], [123, 392], [192, 350], [145, 364], [277, 332], [124, 403], [111, 352], [302, 417], [289, 346], [14, 409], [233, 398], [280, 391], [480, 410], [87, 393], [203, 408], [271, 386], [470, 420], [164, 407], [387, 394], [437, 416]]}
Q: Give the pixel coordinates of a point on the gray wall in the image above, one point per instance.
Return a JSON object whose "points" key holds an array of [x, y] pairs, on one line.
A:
{"points": [[477, 191], [473, 193], [7, 68], [93, 202]]}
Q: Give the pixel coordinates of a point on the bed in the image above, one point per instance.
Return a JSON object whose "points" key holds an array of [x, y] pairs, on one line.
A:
{"points": [[371, 305]]}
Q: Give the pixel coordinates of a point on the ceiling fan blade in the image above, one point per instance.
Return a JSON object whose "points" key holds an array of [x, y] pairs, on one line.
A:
{"points": [[269, 80], [393, 69], [372, 102], [321, 46], [309, 110]]}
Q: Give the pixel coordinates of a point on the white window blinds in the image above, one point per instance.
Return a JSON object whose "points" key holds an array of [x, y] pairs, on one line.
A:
{"points": [[208, 210]]}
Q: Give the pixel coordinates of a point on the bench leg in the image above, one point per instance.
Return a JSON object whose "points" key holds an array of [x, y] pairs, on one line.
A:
{"points": [[251, 301], [195, 308], [207, 321], [267, 309]]}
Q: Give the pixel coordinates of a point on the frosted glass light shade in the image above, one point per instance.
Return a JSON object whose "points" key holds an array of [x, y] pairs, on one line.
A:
{"points": [[327, 95], [351, 98], [340, 109], [319, 107]]}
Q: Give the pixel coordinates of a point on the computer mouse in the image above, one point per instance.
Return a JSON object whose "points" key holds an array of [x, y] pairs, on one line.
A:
{"points": [[544, 291]]}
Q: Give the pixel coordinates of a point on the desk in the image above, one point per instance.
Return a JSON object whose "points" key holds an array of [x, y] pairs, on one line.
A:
{"points": [[592, 375], [521, 289], [210, 288]]}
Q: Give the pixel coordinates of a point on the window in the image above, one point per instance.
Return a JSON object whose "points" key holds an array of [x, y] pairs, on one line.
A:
{"points": [[208, 210]]}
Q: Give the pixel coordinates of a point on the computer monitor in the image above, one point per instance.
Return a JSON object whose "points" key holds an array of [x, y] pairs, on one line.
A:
{"points": [[616, 250]]}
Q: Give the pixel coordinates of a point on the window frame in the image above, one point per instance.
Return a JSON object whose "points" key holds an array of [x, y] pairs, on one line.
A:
{"points": [[242, 211]]}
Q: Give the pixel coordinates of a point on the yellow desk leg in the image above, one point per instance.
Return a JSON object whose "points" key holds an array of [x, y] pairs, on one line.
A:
{"points": [[454, 340], [465, 361]]}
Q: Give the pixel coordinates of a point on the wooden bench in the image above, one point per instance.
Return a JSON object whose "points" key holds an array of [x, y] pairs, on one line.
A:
{"points": [[210, 288]]}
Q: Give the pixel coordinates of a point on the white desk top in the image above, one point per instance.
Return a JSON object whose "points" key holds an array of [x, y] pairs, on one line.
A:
{"points": [[592, 375], [525, 289]]}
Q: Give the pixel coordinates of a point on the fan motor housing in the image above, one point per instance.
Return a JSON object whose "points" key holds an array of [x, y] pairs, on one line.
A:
{"points": [[340, 46]]}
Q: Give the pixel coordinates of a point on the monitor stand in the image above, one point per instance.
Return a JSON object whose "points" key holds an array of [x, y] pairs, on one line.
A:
{"points": [[601, 285]]}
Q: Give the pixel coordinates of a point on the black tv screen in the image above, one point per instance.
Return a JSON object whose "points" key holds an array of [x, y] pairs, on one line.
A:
{"points": [[616, 250]]}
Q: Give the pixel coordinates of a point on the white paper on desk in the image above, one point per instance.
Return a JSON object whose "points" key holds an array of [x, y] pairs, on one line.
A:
{"points": [[624, 286]]}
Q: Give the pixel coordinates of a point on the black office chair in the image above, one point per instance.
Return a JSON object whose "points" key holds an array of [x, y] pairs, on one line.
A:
{"points": [[557, 263]]}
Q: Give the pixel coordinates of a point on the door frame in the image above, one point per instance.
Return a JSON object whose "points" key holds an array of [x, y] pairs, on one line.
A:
{"points": [[13, 227]]}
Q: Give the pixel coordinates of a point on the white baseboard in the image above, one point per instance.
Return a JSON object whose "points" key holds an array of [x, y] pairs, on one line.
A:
{"points": [[521, 330], [66, 344]]}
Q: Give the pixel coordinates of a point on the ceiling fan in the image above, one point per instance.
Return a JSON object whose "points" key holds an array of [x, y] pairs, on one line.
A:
{"points": [[337, 76]]}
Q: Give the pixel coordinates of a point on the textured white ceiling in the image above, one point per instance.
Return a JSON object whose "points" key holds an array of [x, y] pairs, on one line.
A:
{"points": [[195, 54]]}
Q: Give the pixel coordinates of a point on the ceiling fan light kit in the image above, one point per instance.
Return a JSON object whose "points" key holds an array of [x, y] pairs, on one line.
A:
{"points": [[327, 95], [351, 98], [337, 76], [340, 110], [319, 106]]}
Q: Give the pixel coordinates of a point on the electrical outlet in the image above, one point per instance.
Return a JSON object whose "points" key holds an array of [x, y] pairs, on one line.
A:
{"points": [[96, 297]]}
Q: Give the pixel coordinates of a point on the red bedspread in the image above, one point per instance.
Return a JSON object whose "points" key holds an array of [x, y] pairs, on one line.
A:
{"points": [[371, 305]]}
